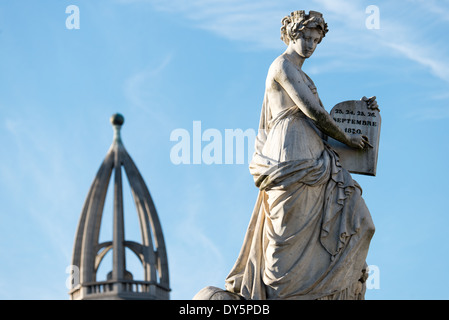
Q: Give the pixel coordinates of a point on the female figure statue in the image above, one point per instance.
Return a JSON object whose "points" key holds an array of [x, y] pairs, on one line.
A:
{"points": [[309, 234]]}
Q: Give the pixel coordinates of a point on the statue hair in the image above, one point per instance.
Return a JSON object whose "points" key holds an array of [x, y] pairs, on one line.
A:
{"points": [[294, 24]]}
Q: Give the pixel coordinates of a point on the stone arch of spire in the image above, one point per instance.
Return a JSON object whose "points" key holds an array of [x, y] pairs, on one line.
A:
{"points": [[88, 253]]}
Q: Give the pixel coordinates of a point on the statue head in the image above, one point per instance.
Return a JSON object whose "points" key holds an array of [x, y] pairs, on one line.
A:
{"points": [[295, 25]]}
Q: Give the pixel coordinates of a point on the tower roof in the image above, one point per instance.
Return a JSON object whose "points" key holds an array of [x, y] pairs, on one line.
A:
{"points": [[88, 253]]}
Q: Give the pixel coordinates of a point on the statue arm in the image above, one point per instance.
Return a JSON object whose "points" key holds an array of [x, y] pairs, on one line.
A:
{"points": [[291, 81]]}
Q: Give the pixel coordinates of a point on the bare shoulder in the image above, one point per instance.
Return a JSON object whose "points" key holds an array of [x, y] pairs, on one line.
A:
{"points": [[279, 65], [280, 69]]}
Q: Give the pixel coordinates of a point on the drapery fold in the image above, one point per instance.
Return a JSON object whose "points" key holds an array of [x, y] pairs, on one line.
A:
{"points": [[310, 229]]}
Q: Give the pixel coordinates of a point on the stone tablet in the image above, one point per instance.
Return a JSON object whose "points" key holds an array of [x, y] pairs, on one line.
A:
{"points": [[355, 118]]}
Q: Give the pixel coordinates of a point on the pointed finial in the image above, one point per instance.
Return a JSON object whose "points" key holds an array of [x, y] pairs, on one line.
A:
{"points": [[117, 121]]}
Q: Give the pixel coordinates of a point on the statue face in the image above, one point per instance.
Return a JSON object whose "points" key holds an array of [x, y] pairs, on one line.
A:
{"points": [[305, 45]]}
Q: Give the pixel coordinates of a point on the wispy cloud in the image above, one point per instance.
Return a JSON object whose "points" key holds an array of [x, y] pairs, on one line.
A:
{"points": [[141, 90], [419, 43], [258, 23], [439, 68], [38, 162], [255, 22], [438, 9], [399, 35]]}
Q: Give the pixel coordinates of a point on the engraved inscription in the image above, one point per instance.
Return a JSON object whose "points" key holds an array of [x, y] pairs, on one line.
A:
{"points": [[355, 118]]}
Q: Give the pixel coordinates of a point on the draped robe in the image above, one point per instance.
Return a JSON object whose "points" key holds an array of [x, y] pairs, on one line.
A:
{"points": [[310, 229]]}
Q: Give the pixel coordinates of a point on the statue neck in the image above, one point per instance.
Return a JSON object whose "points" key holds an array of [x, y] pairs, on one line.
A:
{"points": [[294, 57]]}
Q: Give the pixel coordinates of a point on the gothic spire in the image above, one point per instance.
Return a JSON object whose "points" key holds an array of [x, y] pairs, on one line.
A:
{"points": [[88, 253]]}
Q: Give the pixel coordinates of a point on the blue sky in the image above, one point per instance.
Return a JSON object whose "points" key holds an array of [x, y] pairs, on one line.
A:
{"points": [[166, 64]]}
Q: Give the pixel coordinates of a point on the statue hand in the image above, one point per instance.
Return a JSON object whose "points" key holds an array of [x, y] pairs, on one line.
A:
{"points": [[371, 102], [358, 141]]}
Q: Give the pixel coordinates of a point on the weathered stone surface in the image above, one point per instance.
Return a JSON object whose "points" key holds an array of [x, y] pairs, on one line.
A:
{"points": [[310, 230], [214, 293], [355, 118], [89, 252]]}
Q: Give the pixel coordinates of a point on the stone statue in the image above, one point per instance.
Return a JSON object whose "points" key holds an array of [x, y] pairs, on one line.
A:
{"points": [[310, 230]]}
